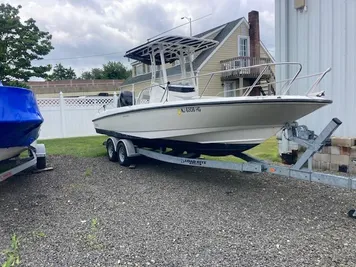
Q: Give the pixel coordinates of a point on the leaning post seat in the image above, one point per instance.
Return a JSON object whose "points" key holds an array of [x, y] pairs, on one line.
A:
{"points": [[181, 88]]}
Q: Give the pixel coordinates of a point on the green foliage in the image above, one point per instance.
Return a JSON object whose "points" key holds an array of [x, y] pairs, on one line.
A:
{"points": [[94, 224], [20, 44], [88, 172], [39, 234], [94, 74], [62, 73], [12, 255], [112, 70], [87, 75], [17, 84]]}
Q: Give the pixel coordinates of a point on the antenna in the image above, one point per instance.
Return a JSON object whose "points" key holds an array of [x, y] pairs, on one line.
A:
{"points": [[179, 26]]}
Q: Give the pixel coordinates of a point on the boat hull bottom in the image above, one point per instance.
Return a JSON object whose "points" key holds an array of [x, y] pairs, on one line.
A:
{"points": [[211, 149], [11, 152]]}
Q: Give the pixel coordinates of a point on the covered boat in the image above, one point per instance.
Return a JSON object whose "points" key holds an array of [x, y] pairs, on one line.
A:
{"points": [[20, 120]]}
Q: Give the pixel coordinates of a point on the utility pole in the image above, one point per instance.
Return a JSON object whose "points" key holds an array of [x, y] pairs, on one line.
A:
{"points": [[190, 24]]}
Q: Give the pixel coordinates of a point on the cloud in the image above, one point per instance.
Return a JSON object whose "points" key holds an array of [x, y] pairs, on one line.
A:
{"points": [[92, 27]]}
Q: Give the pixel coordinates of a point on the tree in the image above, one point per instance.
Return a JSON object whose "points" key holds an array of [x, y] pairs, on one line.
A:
{"points": [[62, 73], [97, 73], [111, 70], [20, 44], [115, 70], [86, 75], [94, 74]]}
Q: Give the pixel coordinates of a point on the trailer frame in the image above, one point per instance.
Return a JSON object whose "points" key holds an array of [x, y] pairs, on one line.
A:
{"points": [[301, 170], [36, 158]]}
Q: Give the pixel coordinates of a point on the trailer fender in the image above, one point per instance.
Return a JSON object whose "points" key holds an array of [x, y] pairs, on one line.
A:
{"points": [[130, 148]]}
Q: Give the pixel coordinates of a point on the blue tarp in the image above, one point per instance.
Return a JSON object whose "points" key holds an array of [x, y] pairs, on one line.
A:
{"points": [[20, 118]]}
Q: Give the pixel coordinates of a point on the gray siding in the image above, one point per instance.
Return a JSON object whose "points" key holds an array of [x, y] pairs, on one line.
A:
{"points": [[322, 36]]}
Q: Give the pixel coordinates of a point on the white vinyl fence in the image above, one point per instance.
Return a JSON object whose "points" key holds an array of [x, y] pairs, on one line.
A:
{"points": [[69, 116]]}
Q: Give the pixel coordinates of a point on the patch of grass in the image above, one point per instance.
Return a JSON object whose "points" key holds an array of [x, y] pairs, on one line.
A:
{"points": [[268, 150], [91, 238], [12, 254], [94, 224], [39, 234], [91, 146], [88, 172]]}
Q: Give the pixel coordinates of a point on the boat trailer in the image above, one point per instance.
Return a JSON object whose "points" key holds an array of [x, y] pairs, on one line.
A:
{"points": [[123, 150], [36, 159]]}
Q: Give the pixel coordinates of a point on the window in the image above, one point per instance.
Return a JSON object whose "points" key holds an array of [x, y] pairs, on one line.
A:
{"points": [[244, 51], [244, 46], [139, 69]]}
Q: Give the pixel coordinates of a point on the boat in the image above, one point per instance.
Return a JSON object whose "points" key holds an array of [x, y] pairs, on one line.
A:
{"points": [[177, 115], [20, 121]]}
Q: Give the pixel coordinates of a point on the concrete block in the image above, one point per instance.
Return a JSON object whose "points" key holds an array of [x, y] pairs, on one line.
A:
{"points": [[335, 150], [326, 150], [345, 151], [340, 159], [353, 152], [322, 157], [352, 168], [343, 141], [324, 166], [316, 165]]}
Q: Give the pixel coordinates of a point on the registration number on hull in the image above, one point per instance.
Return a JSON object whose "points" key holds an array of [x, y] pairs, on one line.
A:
{"points": [[188, 110]]}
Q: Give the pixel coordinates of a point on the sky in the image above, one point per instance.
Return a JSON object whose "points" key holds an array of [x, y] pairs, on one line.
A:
{"points": [[88, 33]]}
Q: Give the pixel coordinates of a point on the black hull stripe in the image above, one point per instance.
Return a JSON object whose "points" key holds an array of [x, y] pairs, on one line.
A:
{"points": [[258, 101]]}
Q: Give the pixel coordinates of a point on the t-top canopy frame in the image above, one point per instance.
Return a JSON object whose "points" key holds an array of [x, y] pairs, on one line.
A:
{"points": [[173, 46]]}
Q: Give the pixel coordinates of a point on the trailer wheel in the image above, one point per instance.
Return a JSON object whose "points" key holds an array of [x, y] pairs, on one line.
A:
{"points": [[110, 149], [41, 163], [124, 160]]}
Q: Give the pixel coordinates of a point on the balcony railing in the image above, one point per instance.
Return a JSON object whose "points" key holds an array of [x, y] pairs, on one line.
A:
{"points": [[238, 62]]}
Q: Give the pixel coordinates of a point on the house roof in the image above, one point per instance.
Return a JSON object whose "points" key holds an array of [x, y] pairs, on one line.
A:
{"points": [[220, 36]]}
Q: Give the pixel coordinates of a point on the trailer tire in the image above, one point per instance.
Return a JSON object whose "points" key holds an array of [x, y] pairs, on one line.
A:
{"points": [[41, 163], [124, 160], [110, 149]]}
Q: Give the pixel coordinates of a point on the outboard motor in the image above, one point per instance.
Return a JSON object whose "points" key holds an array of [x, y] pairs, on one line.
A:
{"points": [[125, 99]]}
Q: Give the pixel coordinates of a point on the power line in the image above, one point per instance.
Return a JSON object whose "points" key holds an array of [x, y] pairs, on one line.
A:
{"points": [[87, 56], [121, 52], [179, 26]]}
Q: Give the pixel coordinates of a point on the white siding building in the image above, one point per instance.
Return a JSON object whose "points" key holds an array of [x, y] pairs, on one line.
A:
{"points": [[321, 34]]}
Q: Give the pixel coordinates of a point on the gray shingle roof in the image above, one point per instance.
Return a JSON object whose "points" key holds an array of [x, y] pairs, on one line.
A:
{"points": [[228, 27]]}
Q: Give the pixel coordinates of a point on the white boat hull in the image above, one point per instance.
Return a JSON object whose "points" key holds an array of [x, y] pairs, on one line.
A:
{"points": [[8, 153], [235, 121]]}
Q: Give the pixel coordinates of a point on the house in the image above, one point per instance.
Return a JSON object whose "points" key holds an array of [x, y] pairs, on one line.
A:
{"points": [[239, 45], [320, 34]]}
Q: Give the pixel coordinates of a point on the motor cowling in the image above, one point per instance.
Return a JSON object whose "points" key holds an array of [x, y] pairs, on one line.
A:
{"points": [[125, 99]]}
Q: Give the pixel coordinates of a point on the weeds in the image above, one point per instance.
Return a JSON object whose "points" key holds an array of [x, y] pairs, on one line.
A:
{"points": [[39, 234], [12, 254], [94, 224], [88, 172], [91, 237]]}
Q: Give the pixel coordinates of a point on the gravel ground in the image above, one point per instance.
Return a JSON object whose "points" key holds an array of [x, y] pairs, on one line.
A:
{"points": [[92, 212]]}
